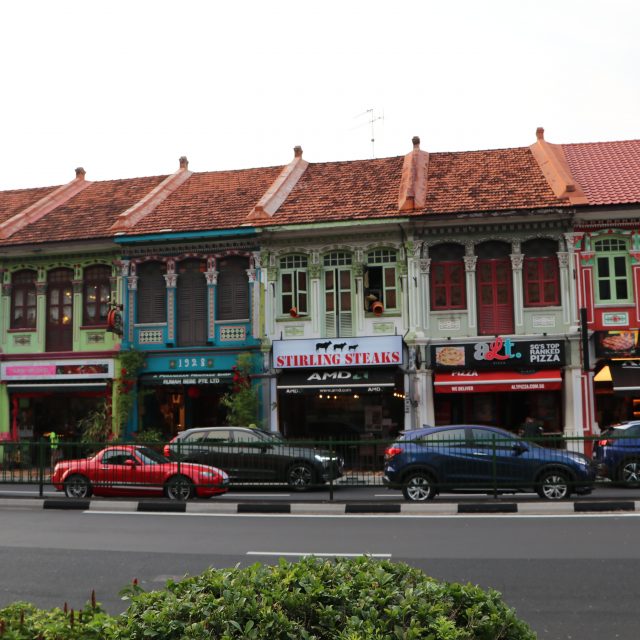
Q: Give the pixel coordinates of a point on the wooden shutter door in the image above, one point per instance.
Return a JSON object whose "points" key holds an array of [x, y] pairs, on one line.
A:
{"points": [[192, 304], [495, 297], [60, 310]]}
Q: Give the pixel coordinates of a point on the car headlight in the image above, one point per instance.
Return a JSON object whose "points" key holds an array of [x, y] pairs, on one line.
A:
{"points": [[324, 459], [208, 474]]}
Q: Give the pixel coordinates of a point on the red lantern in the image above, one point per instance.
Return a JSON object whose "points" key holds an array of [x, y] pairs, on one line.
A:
{"points": [[293, 312], [378, 308], [193, 392]]}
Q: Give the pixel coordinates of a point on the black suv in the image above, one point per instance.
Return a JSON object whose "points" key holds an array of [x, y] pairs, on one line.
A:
{"points": [[253, 455]]}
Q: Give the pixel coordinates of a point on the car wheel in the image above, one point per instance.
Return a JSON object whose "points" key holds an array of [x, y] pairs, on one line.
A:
{"points": [[300, 476], [629, 473], [418, 487], [554, 485], [77, 486], [179, 488]]}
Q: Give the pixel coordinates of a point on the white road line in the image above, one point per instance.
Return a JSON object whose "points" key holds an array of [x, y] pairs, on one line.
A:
{"points": [[321, 554], [232, 496]]}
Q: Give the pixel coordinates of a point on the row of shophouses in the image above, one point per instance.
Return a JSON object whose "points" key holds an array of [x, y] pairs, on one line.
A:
{"points": [[375, 295]]}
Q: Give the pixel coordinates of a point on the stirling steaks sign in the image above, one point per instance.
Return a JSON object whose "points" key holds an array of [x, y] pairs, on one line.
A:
{"points": [[338, 352], [499, 352]]}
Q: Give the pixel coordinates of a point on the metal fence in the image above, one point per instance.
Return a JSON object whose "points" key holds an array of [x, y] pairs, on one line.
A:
{"points": [[493, 464]]}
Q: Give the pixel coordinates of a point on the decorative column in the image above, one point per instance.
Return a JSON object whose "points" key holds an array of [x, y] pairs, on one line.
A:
{"points": [[470, 262], [41, 298], [358, 311], [573, 275], [517, 260], [5, 316], [77, 310], [566, 286], [128, 271], [171, 279], [315, 271], [424, 293], [211, 276], [254, 314]]}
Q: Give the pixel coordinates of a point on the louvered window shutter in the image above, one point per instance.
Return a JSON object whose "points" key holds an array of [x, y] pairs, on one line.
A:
{"points": [[152, 293], [192, 304], [233, 289]]}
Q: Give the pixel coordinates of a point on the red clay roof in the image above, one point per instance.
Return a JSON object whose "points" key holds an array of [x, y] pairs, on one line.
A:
{"points": [[13, 202], [608, 172], [214, 200], [89, 214], [465, 182]]}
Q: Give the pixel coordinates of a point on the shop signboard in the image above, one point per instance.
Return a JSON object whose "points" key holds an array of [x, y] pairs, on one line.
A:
{"points": [[381, 351], [499, 352], [56, 370], [617, 344], [343, 381], [179, 379]]}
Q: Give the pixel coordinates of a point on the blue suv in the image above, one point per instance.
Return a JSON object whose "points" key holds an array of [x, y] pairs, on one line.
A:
{"points": [[617, 453], [473, 458]]}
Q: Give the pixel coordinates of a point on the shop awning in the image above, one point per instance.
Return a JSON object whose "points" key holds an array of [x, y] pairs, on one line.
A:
{"points": [[492, 381], [626, 378]]}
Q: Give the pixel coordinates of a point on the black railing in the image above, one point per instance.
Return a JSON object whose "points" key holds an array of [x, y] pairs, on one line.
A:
{"points": [[298, 464]]}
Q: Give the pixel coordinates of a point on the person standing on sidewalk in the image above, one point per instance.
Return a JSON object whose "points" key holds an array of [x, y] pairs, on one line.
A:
{"points": [[54, 443]]}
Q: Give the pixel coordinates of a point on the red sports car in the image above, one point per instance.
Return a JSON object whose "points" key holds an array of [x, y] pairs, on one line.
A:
{"points": [[127, 470]]}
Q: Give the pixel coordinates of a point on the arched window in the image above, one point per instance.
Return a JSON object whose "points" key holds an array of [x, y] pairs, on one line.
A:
{"points": [[152, 293], [447, 277], [293, 285], [233, 288], [23, 300], [612, 271], [97, 294], [541, 276]]}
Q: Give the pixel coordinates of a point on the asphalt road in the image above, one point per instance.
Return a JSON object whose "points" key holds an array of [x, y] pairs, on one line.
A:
{"points": [[569, 577]]}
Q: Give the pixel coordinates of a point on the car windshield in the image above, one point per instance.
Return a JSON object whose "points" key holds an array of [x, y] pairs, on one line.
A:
{"points": [[149, 456]]}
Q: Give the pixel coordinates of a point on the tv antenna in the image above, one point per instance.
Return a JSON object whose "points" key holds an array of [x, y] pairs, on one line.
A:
{"points": [[373, 118]]}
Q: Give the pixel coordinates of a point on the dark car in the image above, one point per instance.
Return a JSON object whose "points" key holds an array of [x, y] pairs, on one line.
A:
{"points": [[617, 453], [132, 470], [253, 455], [474, 458]]}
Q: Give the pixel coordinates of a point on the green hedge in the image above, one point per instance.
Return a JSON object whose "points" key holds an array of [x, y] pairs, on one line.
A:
{"points": [[347, 599]]}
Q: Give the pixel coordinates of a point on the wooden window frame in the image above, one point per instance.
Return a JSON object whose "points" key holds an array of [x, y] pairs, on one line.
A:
{"points": [[448, 285], [541, 280], [97, 283], [26, 287]]}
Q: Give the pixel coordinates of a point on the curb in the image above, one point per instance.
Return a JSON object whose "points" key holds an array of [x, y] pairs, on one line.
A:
{"points": [[326, 508]]}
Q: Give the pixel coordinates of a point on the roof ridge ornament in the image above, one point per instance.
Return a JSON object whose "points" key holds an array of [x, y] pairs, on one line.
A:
{"points": [[281, 187], [44, 206], [556, 170], [149, 203], [413, 182]]}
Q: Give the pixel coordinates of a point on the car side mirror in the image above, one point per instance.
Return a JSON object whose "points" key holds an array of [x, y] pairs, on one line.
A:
{"points": [[130, 463], [519, 448]]}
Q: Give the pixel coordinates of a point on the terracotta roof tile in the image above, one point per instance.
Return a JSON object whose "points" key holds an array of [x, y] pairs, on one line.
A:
{"points": [[495, 180], [608, 172], [213, 200], [89, 214], [13, 202]]}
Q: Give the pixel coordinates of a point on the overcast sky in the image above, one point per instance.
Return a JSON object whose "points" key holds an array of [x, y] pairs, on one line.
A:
{"points": [[124, 88]]}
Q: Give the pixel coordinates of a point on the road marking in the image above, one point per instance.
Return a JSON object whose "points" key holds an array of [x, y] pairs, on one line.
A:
{"points": [[377, 516], [320, 554], [228, 496]]}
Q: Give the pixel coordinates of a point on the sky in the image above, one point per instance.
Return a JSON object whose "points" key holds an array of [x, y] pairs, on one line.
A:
{"points": [[123, 88]]}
